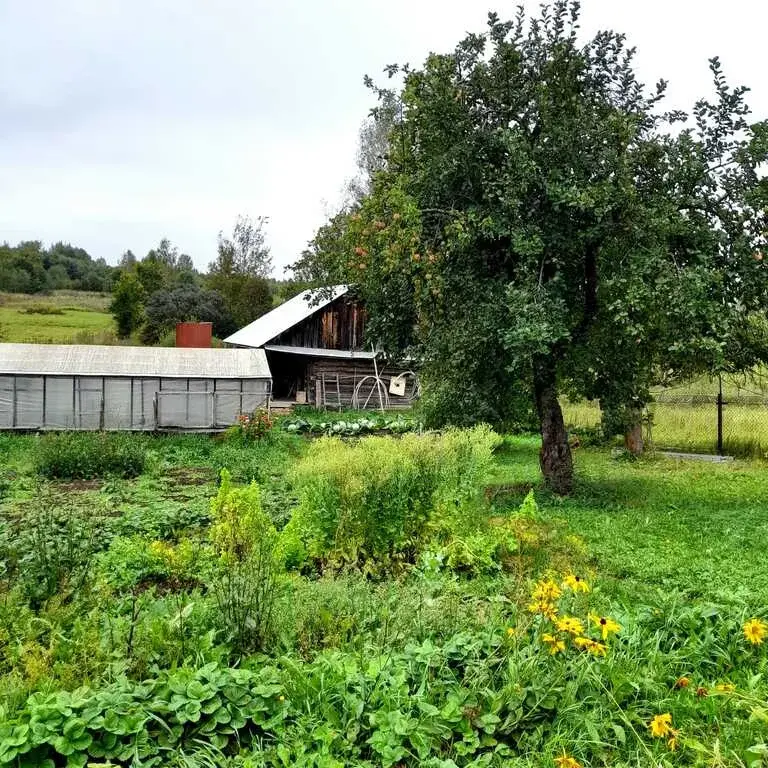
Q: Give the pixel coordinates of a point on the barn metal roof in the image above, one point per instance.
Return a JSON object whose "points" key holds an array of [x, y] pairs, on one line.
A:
{"points": [[347, 354], [281, 318], [165, 362]]}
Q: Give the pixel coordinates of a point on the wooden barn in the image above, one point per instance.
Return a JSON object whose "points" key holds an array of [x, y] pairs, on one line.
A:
{"points": [[318, 354]]}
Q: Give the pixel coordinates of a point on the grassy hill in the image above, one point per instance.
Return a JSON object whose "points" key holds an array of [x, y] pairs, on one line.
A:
{"points": [[62, 317]]}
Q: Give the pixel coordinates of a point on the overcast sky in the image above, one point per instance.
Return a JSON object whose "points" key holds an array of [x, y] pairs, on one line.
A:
{"points": [[125, 121]]}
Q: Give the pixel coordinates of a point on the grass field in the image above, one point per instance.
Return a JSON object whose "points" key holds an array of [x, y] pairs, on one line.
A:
{"points": [[692, 426], [434, 657], [655, 525], [63, 317]]}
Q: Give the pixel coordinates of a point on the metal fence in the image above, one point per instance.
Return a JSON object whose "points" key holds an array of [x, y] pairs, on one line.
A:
{"points": [[724, 415]]}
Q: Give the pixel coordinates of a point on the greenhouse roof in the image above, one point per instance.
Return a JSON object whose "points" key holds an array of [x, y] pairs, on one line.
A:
{"points": [[163, 362]]}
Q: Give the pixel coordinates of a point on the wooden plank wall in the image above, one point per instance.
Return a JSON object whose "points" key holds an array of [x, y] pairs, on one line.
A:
{"points": [[350, 372], [340, 325]]}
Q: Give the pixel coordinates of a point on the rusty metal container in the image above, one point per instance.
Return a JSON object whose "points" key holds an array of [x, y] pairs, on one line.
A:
{"points": [[194, 335]]}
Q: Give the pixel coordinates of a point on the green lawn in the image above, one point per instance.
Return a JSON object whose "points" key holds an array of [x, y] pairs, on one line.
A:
{"points": [[64, 317], [659, 524]]}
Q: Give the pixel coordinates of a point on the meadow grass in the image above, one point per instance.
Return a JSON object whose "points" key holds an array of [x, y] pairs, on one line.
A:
{"points": [[63, 317], [691, 427], [656, 524]]}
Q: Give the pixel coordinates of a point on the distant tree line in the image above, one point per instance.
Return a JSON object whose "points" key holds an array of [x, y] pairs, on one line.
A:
{"points": [[30, 268], [151, 294]]}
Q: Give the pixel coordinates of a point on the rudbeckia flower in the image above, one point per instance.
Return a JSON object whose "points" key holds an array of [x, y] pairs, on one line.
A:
{"points": [[575, 583], [587, 644], [570, 625], [556, 645], [606, 625], [544, 608], [567, 762], [546, 591]]}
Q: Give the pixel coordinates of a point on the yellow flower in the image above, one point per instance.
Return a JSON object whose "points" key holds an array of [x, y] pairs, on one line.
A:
{"points": [[682, 682], [546, 591], [510, 631], [755, 631], [556, 645], [567, 762], [725, 687], [587, 644], [575, 583], [597, 649], [661, 726], [606, 625], [571, 625], [544, 608]]}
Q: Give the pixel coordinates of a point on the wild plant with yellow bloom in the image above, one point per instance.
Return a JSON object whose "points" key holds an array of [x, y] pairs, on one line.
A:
{"points": [[661, 726], [545, 608], [546, 591], [575, 583], [567, 762], [556, 645], [605, 625], [755, 631], [672, 743], [592, 646], [570, 625]]}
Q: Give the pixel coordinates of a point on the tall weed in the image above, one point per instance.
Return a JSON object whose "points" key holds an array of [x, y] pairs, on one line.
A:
{"points": [[381, 499], [247, 584]]}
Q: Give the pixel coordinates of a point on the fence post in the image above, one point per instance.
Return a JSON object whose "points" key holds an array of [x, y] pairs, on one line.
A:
{"points": [[720, 416]]}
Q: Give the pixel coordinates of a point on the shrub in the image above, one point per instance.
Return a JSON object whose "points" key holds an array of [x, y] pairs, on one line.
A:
{"points": [[352, 427], [72, 455], [42, 309], [134, 562], [248, 579], [252, 427], [381, 499]]}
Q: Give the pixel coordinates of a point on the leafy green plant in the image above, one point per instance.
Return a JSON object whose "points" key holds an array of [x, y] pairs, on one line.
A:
{"points": [[352, 427], [136, 562], [71, 455], [147, 721], [247, 580], [252, 427], [50, 546]]}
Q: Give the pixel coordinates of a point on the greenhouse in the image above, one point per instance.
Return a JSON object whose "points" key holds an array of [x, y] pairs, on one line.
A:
{"points": [[84, 387]]}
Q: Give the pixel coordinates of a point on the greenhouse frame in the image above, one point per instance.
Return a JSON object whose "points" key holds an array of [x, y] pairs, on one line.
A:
{"points": [[88, 387]]}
